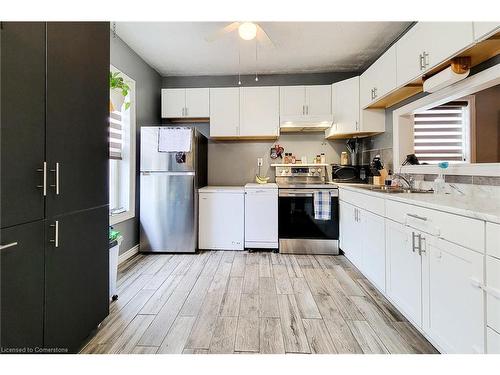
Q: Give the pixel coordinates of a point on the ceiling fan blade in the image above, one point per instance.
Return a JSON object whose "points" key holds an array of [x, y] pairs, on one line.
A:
{"points": [[221, 32], [263, 38]]}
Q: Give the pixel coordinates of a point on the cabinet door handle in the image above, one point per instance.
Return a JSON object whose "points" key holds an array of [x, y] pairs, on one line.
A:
{"points": [[303, 109], [413, 242], [187, 111], [43, 186], [420, 250], [56, 186], [423, 218], [426, 59], [56, 233], [307, 109], [357, 126], [421, 61], [375, 93], [3, 247]]}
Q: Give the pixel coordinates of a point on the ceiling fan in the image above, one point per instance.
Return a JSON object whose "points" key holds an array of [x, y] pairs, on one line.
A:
{"points": [[246, 31]]}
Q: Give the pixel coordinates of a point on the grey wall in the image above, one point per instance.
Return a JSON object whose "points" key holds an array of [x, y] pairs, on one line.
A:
{"points": [[235, 163], [148, 84], [249, 80]]}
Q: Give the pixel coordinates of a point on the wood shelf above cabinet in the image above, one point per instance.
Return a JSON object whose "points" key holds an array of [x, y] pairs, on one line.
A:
{"points": [[478, 53], [398, 95]]}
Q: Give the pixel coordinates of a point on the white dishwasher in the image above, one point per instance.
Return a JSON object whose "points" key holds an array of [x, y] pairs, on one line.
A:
{"points": [[221, 218], [261, 216]]}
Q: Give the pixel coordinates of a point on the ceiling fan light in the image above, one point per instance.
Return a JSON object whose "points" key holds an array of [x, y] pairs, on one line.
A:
{"points": [[247, 30]]}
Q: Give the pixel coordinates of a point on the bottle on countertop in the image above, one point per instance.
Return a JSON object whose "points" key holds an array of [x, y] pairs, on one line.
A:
{"points": [[388, 179], [323, 158], [293, 159], [286, 160]]}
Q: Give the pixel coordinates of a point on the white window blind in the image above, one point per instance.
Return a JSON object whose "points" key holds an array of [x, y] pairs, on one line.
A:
{"points": [[115, 135], [440, 133]]}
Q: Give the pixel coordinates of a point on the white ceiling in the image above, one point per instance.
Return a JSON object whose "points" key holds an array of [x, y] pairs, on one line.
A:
{"points": [[180, 48]]}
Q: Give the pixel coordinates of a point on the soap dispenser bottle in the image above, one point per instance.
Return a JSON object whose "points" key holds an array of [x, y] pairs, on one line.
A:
{"points": [[439, 183]]}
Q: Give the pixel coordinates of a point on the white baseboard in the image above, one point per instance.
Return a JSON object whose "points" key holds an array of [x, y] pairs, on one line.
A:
{"points": [[127, 254]]}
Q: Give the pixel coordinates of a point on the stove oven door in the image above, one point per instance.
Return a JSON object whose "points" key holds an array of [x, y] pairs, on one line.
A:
{"points": [[299, 231]]}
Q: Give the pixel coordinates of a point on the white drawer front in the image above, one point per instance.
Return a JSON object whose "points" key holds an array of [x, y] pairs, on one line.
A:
{"points": [[493, 292], [493, 341], [364, 201], [493, 239], [454, 228]]}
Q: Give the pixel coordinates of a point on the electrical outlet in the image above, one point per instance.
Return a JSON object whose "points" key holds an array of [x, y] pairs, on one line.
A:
{"points": [[259, 162]]}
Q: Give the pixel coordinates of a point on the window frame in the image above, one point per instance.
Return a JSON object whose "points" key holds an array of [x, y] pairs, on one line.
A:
{"points": [[465, 130], [130, 213]]}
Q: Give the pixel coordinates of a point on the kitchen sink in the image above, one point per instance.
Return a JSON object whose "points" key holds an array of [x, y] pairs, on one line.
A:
{"points": [[394, 190]]}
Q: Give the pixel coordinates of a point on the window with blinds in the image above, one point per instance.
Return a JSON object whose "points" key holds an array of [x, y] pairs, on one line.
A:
{"points": [[440, 133], [115, 135]]}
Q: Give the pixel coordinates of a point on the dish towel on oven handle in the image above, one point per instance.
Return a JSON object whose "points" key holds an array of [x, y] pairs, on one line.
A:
{"points": [[322, 205]]}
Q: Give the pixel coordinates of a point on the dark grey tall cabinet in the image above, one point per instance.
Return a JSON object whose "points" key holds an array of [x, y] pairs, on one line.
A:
{"points": [[54, 184]]}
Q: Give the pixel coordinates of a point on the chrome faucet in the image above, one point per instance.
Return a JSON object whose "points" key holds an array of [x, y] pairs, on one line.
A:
{"points": [[408, 179]]}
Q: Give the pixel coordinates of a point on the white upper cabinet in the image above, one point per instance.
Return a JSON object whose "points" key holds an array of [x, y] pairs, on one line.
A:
{"points": [[305, 101], [379, 79], [292, 101], [345, 106], [197, 102], [453, 301], [348, 119], [259, 111], [177, 103], [224, 112], [173, 102], [485, 29], [319, 100], [428, 44]]}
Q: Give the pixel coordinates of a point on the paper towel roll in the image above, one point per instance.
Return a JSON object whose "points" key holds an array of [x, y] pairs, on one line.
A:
{"points": [[443, 79]]}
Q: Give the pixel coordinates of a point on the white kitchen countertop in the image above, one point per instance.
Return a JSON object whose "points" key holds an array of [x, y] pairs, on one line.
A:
{"points": [[469, 206], [222, 189]]}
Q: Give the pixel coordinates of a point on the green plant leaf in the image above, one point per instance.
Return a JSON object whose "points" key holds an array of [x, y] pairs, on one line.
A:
{"points": [[127, 105]]}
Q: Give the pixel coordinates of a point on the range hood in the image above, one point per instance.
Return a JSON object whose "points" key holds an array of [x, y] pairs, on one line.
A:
{"points": [[300, 124]]}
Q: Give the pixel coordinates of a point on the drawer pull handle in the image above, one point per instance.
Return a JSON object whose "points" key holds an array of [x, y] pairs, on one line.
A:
{"points": [[423, 218], [3, 247]]}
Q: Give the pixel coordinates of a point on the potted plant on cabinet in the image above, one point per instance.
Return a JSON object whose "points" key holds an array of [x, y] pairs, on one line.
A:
{"points": [[118, 91]]}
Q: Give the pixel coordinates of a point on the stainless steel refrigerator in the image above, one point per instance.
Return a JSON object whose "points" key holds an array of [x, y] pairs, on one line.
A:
{"points": [[173, 167]]}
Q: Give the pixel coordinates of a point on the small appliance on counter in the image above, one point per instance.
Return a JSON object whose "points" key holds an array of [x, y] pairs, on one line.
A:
{"points": [[350, 173]]}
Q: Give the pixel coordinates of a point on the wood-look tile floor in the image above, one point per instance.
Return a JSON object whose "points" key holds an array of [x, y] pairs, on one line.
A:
{"points": [[239, 302]]}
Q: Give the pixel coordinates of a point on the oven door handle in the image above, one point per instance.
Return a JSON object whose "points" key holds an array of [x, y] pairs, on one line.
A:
{"points": [[309, 193]]}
